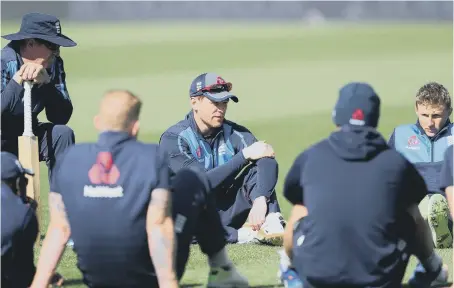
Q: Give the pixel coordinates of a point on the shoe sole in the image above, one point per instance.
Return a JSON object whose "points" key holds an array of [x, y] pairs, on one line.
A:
{"points": [[438, 221], [276, 239]]}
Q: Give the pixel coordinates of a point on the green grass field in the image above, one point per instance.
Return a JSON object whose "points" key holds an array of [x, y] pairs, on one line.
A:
{"points": [[286, 75]]}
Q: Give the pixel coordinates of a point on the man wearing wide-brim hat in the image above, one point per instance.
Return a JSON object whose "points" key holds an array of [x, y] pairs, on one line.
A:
{"points": [[33, 54]]}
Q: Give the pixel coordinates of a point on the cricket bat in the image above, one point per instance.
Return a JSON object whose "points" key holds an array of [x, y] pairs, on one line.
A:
{"points": [[28, 149]]}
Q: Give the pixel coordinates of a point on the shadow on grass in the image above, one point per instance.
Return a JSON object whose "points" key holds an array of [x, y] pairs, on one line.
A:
{"points": [[192, 285], [71, 282]]}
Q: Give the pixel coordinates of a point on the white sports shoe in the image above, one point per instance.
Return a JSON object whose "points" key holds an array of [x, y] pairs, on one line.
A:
{"points": [[246, 235], [226, 277], [272, 231]]}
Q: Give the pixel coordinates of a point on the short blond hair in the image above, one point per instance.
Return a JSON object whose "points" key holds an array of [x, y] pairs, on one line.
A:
{"points": [[434, 93], [119, 109]]}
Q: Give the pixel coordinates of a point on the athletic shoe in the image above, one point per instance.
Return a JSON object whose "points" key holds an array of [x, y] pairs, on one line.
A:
{"points": [[272, 231], [419, 279], [226, 277], [286, 274], [289, 278], [246, 235], [438, 221]]}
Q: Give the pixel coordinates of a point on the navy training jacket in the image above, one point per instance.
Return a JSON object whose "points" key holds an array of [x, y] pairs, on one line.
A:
{"points": [[221, 157], [53, 97]]}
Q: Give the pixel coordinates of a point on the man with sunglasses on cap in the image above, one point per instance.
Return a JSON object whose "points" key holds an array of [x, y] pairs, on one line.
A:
{"points": [[131, 227], [19, 226], [242, 170], [34, 55]]}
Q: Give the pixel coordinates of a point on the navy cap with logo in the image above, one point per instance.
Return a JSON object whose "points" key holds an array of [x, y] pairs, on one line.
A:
{"points": [[41, 26], [12, 168], [212, 86], [358, 105]]}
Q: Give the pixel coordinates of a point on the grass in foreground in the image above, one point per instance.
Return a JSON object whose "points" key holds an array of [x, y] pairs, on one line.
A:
{"points": [[258, 263]]}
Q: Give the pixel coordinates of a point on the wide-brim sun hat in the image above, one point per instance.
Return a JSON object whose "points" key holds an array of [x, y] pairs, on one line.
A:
{"points": [[41, 26]]}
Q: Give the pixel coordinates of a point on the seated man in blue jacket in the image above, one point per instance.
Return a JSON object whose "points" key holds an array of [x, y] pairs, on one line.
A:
{"points": [[424, 144], [33, 54], [242, 170]]}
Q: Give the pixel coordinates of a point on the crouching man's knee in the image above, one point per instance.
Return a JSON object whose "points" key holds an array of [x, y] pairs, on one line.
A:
{"points": [[191, 182], [63, 136]]}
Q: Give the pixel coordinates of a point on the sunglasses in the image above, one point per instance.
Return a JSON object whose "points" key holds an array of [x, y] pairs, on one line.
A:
{"points": [[215, 88], [49, 45]]}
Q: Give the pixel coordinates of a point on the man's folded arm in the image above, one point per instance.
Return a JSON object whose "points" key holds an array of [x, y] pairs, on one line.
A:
{"points": [[180, 156]]}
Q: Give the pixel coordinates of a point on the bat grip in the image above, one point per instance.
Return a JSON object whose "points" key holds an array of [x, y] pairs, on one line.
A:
{"points": [[28, 131]]}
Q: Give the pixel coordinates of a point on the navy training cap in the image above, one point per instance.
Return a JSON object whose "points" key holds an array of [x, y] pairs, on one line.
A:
{"points": [[358, 105], [12, 168], [41, 26], [212, 86]]}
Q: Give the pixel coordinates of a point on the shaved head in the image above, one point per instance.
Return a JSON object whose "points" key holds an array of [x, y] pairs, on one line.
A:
{"points": [[119, 111]]}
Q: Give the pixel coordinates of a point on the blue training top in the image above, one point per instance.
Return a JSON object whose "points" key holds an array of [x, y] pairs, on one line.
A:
{"points": [[219, 156], [426, 153]]}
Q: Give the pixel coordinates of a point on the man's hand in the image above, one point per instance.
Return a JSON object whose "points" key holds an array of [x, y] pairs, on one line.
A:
{"points": [[32, 72], [258, 150], [258, 213]]}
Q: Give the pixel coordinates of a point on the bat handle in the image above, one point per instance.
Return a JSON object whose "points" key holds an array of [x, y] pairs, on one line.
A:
{"points": [[28, 131]]}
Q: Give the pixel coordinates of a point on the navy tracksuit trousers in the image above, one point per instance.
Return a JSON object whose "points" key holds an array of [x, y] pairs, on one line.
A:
{"points": [[53, 140], [234, 202]]}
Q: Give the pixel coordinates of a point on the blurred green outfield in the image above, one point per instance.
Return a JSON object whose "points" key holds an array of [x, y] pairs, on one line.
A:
{"points": [[286, 76]]}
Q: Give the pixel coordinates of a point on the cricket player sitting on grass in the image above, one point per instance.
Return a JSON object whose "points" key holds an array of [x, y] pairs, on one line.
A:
{"points": [[424, 144], [19, 226], [115, 199], [355, 219], [34, 55], [222, 148]]}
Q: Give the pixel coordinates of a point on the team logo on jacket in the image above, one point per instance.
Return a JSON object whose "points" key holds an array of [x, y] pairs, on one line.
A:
{"points": [[357, 118], [450, 140], [219, 80], [199, 152], [413, 143], [104, 172]]}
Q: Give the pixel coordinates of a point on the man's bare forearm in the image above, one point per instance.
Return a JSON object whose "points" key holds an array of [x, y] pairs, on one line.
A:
{"points": [[51, 252], [298, 212], [54, 244], [162, 250], [161, 237]]}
